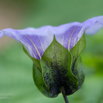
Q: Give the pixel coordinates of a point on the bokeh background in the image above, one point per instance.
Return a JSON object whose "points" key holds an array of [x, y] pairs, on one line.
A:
{"points": [[16, 82]]}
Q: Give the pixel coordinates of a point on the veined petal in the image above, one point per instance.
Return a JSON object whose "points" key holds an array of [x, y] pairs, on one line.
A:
{"points": [[36, 40], [94, 25], [34, 43], [72, 35]]}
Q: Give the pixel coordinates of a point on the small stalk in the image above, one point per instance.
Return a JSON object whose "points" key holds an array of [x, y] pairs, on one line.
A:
{"points": [[64, 96]]}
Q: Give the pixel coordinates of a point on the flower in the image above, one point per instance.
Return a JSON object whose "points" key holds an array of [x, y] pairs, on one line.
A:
{"points": [[36, 40], [55, 52]]}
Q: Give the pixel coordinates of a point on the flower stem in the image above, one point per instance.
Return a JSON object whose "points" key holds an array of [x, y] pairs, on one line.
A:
{"points": [[64, 96]]}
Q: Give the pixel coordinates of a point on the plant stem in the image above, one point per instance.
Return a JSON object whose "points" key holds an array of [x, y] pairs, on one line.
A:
{"points": [[64, 96]]}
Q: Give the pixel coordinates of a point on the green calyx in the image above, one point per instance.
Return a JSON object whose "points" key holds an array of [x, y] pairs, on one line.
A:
{"points": [[56, 69], [59, 68]]}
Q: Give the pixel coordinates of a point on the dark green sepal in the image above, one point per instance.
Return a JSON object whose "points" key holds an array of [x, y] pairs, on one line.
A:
{"points": [[39, 82], [78, 71], [36, 62], [77, 66], [38, 78], [56, 69], [78, 48]]}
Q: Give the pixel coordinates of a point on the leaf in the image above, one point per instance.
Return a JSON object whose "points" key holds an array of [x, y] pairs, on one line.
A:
{"points": [[56, 69]]}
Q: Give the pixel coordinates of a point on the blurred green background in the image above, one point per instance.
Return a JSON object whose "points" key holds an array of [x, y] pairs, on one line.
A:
{"points": [[16, 82]]}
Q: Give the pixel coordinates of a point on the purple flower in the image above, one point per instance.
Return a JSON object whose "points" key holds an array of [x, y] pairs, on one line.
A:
{"points": [[36, 40], [56, 67]]}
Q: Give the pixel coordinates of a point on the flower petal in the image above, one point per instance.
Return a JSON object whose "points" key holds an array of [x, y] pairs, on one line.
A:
{"points": [[36, 40], [75, 30], [94, 25], [33, 42]]}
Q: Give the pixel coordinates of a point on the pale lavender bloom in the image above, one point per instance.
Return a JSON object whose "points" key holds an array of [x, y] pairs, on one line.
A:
{"points": [[36, 40]]}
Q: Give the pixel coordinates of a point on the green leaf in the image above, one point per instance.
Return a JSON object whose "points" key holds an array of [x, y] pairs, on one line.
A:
{"points": [[38, 79], [56, 69]]}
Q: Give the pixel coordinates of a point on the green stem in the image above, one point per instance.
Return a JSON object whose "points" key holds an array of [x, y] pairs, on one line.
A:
{"points": [[64, 96]]}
